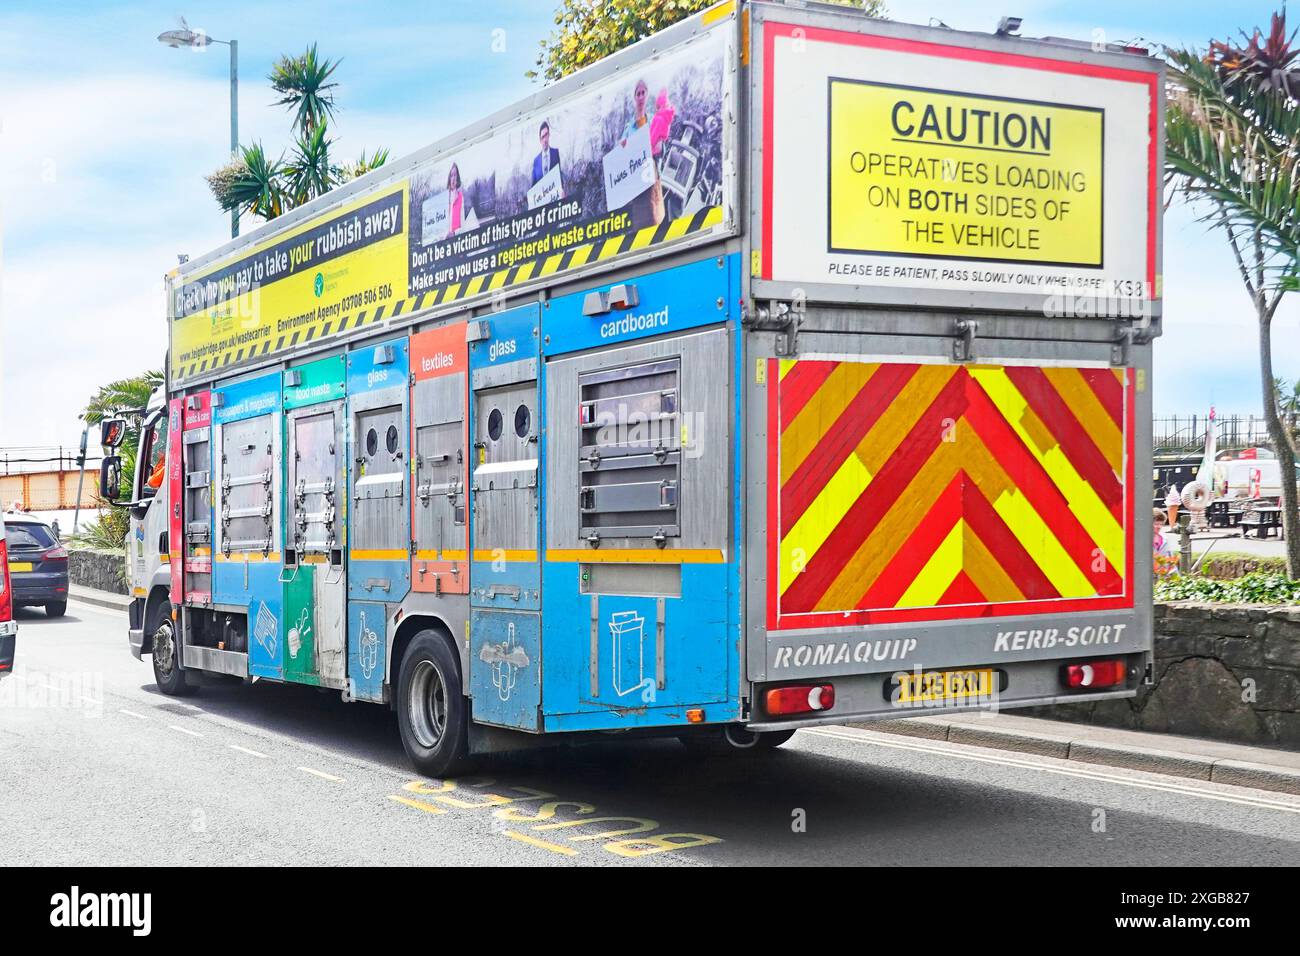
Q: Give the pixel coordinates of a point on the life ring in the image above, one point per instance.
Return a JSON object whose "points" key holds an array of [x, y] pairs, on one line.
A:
{"points": [[1196, 496]]}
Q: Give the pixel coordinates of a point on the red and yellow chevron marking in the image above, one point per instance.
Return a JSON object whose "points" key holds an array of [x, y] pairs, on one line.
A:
{"points": [[925, 492]]}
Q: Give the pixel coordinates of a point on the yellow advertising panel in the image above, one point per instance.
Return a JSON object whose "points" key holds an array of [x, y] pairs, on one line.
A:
{"points": [[302, 285], [933, 173]]}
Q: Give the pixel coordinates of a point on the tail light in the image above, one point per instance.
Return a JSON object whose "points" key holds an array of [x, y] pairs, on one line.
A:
{"points": [[59, 553], [1096, 674], [802, 699], [6, 599]]}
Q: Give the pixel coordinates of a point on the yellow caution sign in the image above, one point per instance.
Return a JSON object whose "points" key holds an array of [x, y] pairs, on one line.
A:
{"points": [[922, 172]]}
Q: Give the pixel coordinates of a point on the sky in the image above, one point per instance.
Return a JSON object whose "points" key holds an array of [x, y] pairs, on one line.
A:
{"points": [[105, 135]]}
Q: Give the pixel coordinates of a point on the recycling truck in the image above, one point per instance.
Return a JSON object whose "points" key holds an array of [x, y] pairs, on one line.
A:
{"points": [[785, 368]]}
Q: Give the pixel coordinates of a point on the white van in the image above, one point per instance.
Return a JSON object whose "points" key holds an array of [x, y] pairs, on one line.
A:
{"points": [[1249, 478]]}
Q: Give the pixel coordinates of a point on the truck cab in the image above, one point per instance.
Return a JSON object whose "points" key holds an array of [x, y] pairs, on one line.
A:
{"points": [[146, 494]]}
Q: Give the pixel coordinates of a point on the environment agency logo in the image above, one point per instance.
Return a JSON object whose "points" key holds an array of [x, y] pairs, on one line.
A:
{"points": [[319, 284]]}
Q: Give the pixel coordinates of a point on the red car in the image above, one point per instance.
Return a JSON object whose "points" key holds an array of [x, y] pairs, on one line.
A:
{"points": [[8, 626]]}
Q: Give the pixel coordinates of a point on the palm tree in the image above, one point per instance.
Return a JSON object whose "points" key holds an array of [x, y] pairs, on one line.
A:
{"points": [[1288, 403], [362, 165], [252, 183], [123, 395], [258, 185], [309, 173], [301, 83], [1232, 135]]}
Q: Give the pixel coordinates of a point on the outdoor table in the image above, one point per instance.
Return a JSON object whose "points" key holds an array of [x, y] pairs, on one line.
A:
{"points": [[1262, 519]]}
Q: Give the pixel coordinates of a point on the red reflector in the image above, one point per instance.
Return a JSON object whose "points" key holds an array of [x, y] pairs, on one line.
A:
{"points": [[1094, 674], [803, 699]]}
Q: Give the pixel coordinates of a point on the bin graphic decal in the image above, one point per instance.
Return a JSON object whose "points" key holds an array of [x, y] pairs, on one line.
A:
{"points": [[627, 639], [504, 660], [367, 650], [266, 630]]}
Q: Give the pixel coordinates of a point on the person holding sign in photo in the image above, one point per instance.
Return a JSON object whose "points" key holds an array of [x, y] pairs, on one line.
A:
{"points": [[547, 185], [455, 200], [548, 158], [647, 208]]}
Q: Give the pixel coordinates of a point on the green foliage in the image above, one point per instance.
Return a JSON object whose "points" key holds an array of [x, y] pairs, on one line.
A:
{"points": [[252, 184], [107, 533], [1258, 587], [1232, 138], [123, 395], [1226, 565], [302, 84], [308, 172], [589, 30], [260, 186], [359, 167]]}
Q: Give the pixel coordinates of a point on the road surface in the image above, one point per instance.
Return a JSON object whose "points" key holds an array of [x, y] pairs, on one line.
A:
{"points": [[98, 768]]}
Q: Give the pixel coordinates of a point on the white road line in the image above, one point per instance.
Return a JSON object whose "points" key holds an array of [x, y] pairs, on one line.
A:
{"points": [[322, 774], [245, 750], [91, 700], [184, 730], [1066, 772], [131, 713]]}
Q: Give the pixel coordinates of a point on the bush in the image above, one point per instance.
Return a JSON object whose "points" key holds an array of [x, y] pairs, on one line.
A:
{"points": [[1258, 587], [108, 533], [1233, 564]]}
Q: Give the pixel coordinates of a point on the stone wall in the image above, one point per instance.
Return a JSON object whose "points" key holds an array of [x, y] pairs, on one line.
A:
{"points": [[1224, 672], [101, 570]]}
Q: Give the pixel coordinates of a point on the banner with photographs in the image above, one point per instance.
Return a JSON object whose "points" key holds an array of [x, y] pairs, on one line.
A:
{"points": [[635, 160], [627, 164]]}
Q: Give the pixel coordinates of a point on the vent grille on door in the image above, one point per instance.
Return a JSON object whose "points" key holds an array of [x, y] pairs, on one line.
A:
{"points": [[630, 451]]}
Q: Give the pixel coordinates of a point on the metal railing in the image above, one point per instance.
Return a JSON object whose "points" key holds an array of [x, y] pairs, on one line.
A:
{"points": [[1173, 434]]}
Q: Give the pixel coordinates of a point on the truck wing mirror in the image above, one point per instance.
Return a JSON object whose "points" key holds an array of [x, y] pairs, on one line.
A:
{"points": [[110, 477], [111, 432]]}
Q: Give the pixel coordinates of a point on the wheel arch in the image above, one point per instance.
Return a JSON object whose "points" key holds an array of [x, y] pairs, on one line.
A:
{"points": [[159, 596], [409, 627]]}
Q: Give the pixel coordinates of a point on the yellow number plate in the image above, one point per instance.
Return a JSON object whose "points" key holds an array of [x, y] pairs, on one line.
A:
{"points": [[20, 566], [944, 686]]}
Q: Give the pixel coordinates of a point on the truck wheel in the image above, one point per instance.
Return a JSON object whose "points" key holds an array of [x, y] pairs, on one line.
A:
{"points": [[733, 739], [432, 712], [56, 608], [167, 670]]}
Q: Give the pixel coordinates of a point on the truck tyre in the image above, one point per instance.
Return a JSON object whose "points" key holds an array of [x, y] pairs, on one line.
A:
{"points": [[432, 711], [167, 670], [56, 608], [733, 739]]}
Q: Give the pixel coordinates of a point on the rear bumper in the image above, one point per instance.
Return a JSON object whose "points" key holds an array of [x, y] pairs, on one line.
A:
{"points": [[38, 587], [868, 696], [8, 642]]}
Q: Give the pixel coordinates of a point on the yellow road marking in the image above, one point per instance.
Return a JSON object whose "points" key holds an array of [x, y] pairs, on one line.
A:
{"points": [[541, 844], [418, 804]]}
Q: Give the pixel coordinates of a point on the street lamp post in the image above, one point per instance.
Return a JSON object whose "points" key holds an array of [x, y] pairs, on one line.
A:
{"points": [[197, 39]]}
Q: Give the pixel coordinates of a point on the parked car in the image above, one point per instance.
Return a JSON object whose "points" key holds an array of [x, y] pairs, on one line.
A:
{"points": [[8, 626], [38, 565]]}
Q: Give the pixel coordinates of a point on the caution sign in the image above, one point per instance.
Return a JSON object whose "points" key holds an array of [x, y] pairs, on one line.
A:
{"points": [[911, 170], [934, 173]]}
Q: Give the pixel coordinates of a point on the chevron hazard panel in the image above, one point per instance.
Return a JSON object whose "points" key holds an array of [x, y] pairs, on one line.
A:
{"points": [[902, 492]]}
